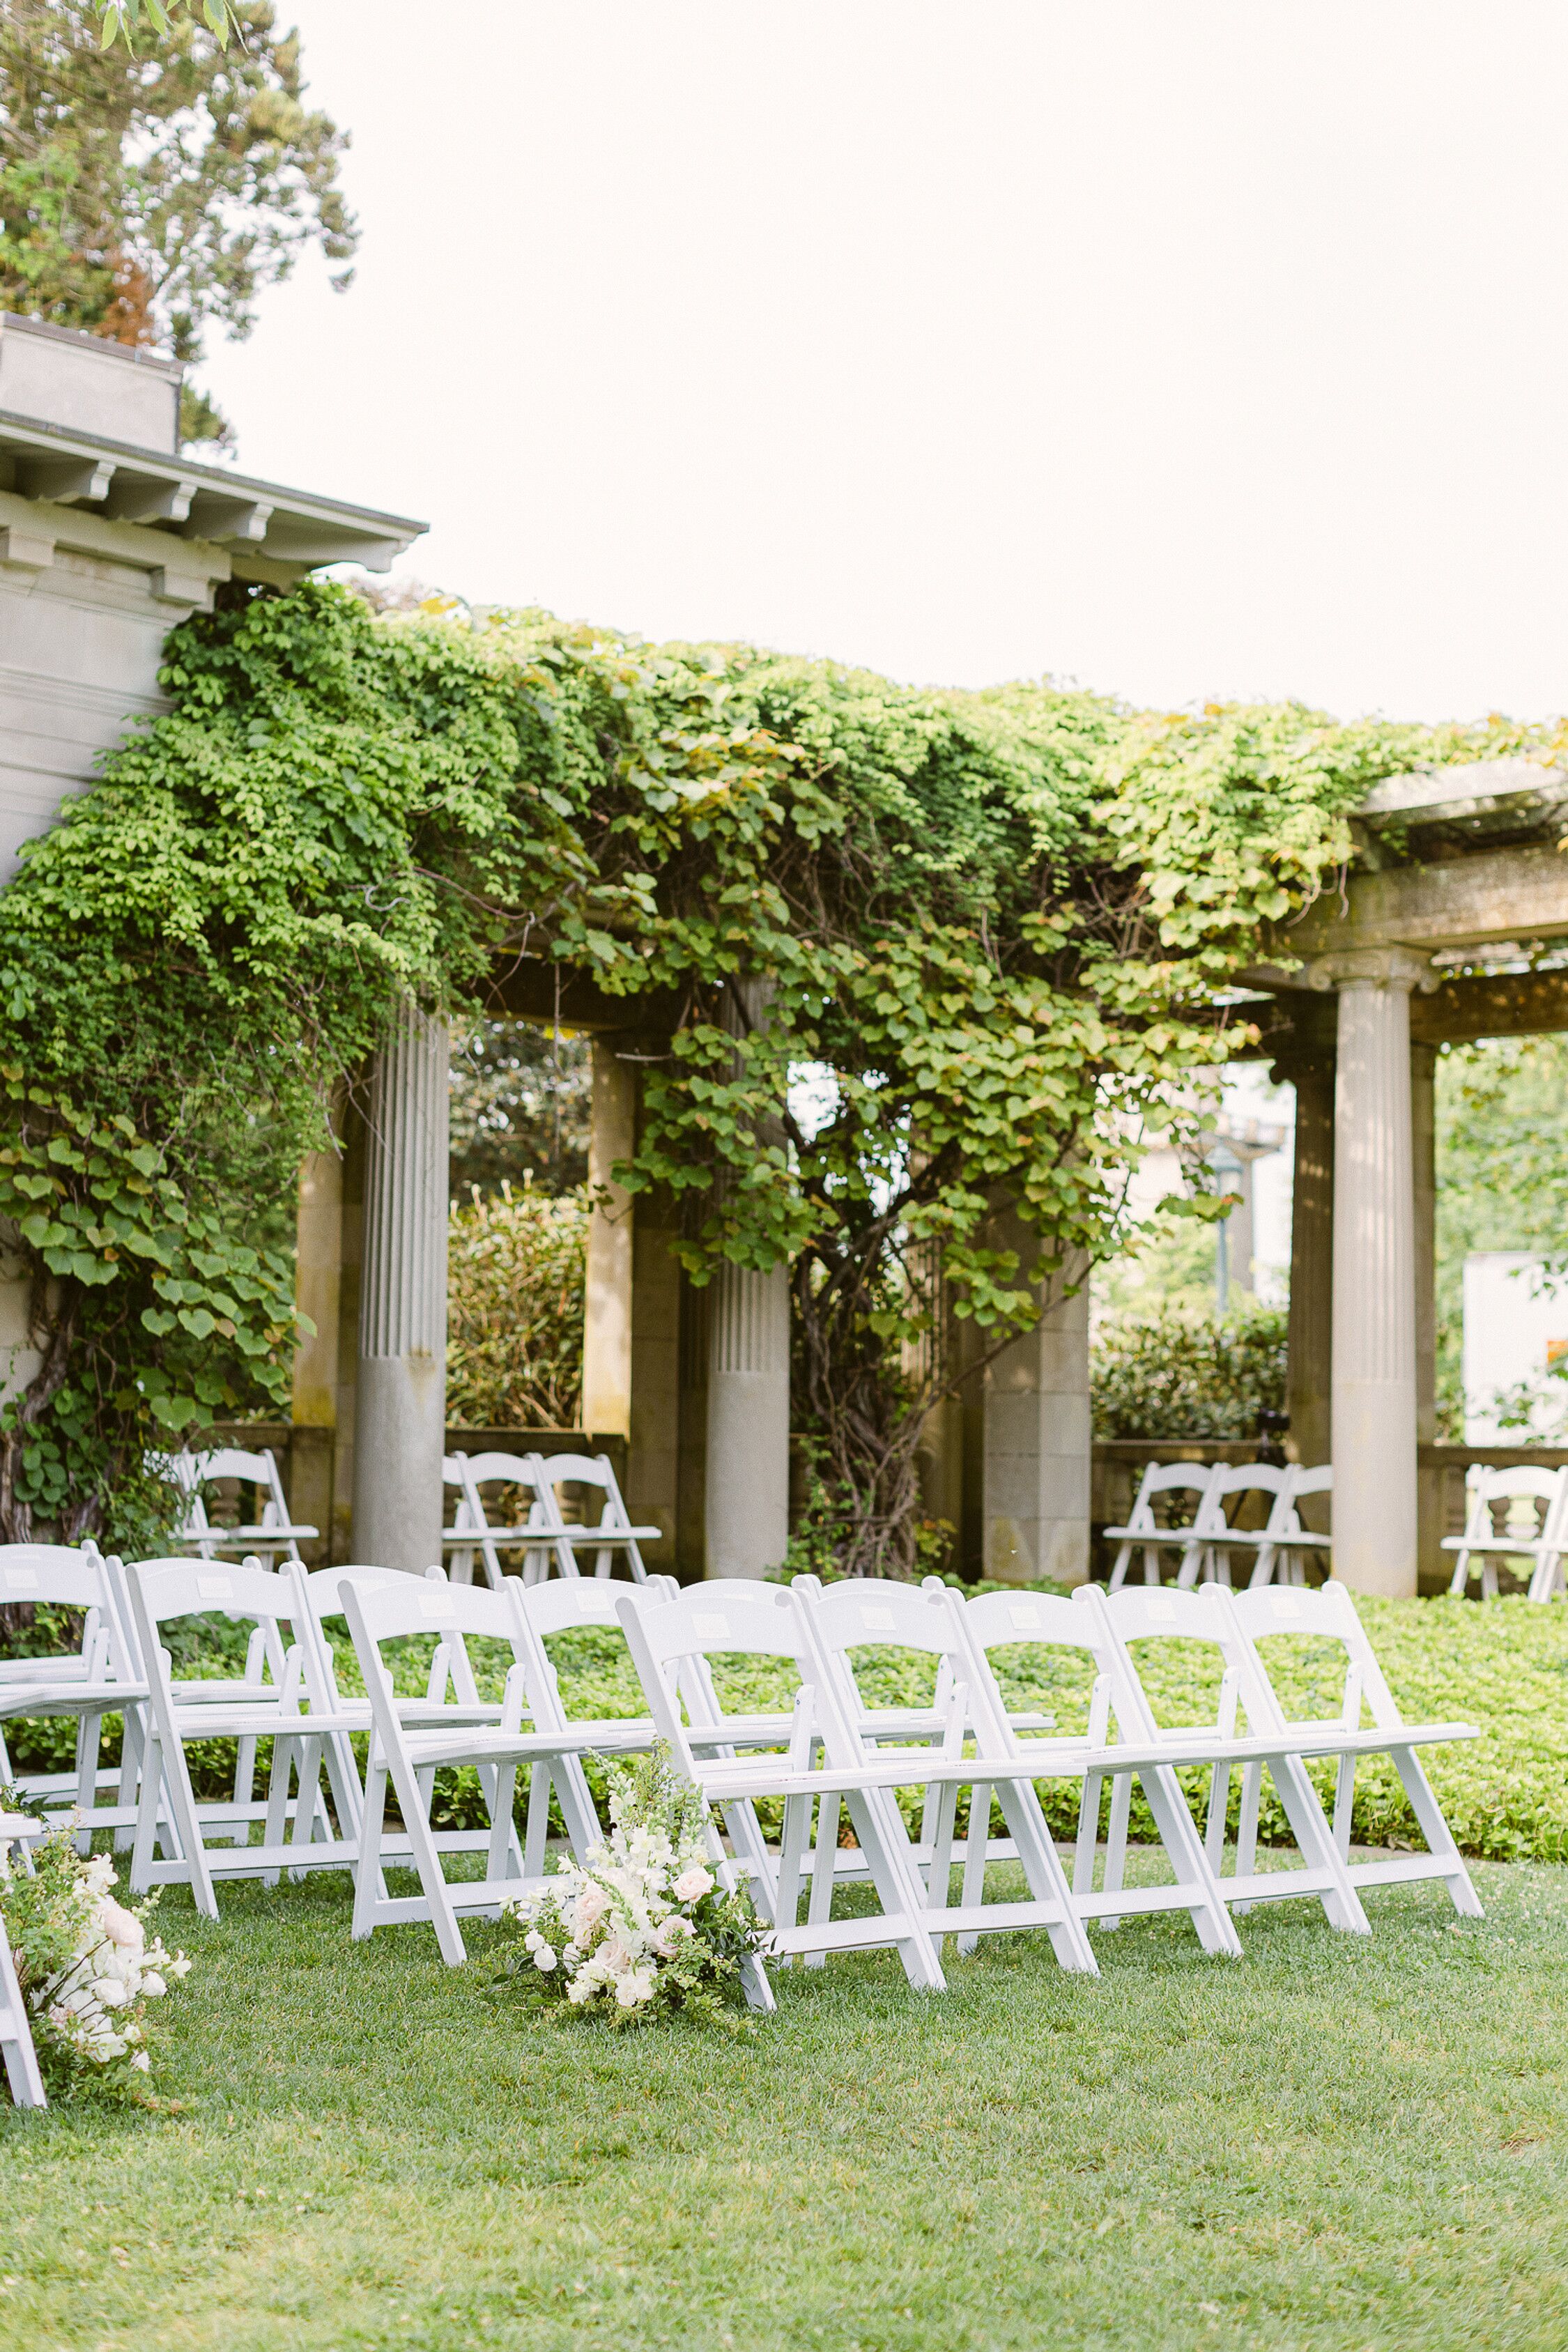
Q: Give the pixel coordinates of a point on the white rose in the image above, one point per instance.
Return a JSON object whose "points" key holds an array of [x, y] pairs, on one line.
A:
{"points": [[121, 1926], [692, 1884], [544, 1958], [153, 1985], [141, 2062], [109, 1993], [588, 1912], [629, 1991]]}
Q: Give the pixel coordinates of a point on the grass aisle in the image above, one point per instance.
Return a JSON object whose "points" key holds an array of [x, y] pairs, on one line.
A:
{"points": [[1331, 2145]]}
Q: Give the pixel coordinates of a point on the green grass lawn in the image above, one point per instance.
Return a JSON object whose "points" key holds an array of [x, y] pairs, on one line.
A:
{"points": [[1330, 2144]]}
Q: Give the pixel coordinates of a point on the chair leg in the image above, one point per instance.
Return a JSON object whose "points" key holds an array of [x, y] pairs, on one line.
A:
{"points": [[791, 1859], [537, 1828], [974, 1852], [879, 1827], [1178, 1834], [1434, 1829], [1087, 1835], [1341, 1904], [1246, 1828], [1116, 1839], [413, 1804], [370, 1879], [824, 1863]]}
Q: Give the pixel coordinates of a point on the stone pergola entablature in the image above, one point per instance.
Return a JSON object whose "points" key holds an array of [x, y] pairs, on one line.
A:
{"points": [[1448, 930]]}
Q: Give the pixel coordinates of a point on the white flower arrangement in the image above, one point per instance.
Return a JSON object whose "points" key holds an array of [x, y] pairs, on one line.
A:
{"points": [[644, 1926], [86, 1966]]}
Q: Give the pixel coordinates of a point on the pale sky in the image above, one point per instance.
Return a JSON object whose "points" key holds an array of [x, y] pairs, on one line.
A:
{"points": [[1185, 351]]}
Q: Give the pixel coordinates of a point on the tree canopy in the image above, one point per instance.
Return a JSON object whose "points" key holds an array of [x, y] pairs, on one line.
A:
{"points": [[998, 928], [149, 195]]}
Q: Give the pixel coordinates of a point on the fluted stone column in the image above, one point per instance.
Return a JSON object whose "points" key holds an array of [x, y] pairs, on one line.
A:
{"points": [[401, 1402], [607, 1285], [748, 1422], [1373, 1418], [746, 1488]]}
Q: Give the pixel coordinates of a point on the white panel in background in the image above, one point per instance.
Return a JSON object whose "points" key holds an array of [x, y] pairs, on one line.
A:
{"points": [[1516, 1330]]}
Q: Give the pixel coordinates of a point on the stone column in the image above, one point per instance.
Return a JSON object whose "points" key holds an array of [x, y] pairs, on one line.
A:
{"points": [[401, 1402], [746, 1489], [1310, 1345], [747, 1517], [1423, 1174], [1373, 1414], [1037, 1443], [318, 1287], [607, 1289]]}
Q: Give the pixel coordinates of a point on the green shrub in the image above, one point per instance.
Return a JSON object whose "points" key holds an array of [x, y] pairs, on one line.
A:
{"points": [[1502, 1666], [515, 1272], [1176, 1374]]}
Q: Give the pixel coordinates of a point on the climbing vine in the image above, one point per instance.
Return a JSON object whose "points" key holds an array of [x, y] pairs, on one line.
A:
{"points": [[996, 930]]}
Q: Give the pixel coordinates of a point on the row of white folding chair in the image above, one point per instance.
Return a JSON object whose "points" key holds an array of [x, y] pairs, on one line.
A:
{"points": [[1544, 1495], [21, 2060], [1235, 1624], [1207, 1540], [684, 1709], [277, 1535], [882, 1612], [1000, 1620], [545, 1539]]}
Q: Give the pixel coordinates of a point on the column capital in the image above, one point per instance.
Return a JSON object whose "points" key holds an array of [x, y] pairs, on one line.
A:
{"points": [[1401, 968]]}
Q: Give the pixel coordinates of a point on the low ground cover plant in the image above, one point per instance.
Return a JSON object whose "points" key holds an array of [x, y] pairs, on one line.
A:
{"points": [[1503, 1666]]}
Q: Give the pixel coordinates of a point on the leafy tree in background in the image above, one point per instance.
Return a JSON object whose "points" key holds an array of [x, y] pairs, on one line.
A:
{"points": [[147, 197], [521, 1105], [1503, 1176]]}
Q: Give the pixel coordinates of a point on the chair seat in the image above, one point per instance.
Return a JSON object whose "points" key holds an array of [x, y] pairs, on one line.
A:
{"points": [[259, 1723], [429, 1748], [68, 1698], [262, 1538], [1151, 1535], [1499, 1543]]}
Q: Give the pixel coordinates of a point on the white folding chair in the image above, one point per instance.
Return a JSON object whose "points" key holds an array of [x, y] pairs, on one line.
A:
{"points": [[1531, 1526], [734, 1618], [1329, 1614], [1144, 1531], [102, 1678], [1003, 1621], [471, 1532], [851, 1618], [1218, 1535], [277, 1535], [1285, 1545], [410, 1758], [15, 2026], [293, 1713], [610, 1538], [1206, 1615]]}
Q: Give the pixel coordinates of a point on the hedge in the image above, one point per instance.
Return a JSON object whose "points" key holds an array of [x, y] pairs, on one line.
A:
{"points": [[1502, 1666]]}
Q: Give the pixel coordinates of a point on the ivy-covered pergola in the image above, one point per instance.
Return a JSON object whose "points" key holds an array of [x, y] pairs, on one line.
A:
{"points": [[1001, 931]]}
